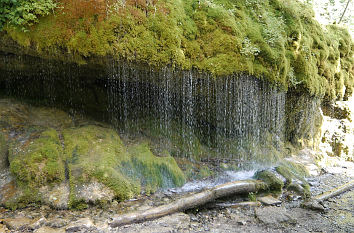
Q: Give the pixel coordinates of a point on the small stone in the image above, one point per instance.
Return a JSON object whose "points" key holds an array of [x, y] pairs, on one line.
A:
{"points": [[83, 224], [194, 218], [242, 223], [269, 200], [49, 230], [39, 223], [313, 205]]}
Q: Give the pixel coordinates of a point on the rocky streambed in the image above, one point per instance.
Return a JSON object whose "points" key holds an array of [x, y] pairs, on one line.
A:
{"points": [[237, 214]]}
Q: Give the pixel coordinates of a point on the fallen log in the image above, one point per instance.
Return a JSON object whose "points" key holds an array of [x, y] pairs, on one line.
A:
{"points": [[315, 202], [335, 192], [189, 202]]}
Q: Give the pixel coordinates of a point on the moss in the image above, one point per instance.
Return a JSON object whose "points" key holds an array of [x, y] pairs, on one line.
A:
{"points": [[278, 40], [293, 173], [291, 170], [205, 172], [3, 151], [154, 172], [40, 162], [84, 155], [304, 120], [274, 183], [95, 152], [26, 197], [171, 139], [98, 153]]}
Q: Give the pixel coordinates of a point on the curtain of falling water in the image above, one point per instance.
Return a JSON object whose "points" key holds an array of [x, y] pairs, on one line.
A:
{"points": [[182, 109], [228, 114]]}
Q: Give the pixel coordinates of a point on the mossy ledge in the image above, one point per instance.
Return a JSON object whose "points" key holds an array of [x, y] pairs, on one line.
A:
{"points": [[91, 161], [274, 39]]}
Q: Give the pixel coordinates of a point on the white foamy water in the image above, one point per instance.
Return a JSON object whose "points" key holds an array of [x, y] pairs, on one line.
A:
{"points": [[227, 176]]}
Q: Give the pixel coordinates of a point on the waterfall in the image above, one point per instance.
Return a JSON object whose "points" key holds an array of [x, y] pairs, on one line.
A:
{"points": [[190, 114], [228, 114]]}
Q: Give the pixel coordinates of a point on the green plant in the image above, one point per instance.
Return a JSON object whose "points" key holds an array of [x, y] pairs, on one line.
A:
{"points": [[252, 196], [24, 13]]}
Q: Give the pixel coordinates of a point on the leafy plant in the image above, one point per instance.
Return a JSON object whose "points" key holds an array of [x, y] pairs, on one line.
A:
{"points": [[24, 13]]}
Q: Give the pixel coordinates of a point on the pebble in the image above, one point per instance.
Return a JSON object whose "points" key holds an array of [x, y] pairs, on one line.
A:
{"points": [[269, 200]]}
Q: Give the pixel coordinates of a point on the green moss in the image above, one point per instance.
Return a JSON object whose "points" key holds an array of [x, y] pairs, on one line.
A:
{"points": [[294, 172], [153, 172], [26, 197], [171, 139], [290, 170], [95, 152], [98, 153], [3, 151], [84, 155], [270, 178], [205, 172], [40, 162], [278, 40]]}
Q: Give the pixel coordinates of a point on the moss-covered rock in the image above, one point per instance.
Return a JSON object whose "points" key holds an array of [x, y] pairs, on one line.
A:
{"points": [[40, 162], [90, 164], [295, 174], [97, 154], [63, 166], [274, 182]]}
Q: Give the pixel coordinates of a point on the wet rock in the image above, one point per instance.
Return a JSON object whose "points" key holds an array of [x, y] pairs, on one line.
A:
{"points": [[94, 192], [296, 187], [269, 200], [313, 205], [57, 196], [38, 223], [49, 230], [271, 178], [3, 152], [81, 225], [273, 215], [57, 223], [7, 186], [17, 224]]}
